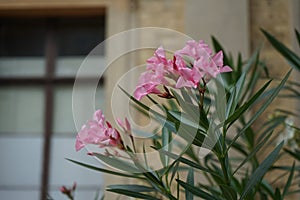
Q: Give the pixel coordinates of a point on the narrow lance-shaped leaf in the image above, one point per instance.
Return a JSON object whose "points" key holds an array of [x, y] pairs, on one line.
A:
{"points": [[228, 192], [295, 154], [277, 195], [298, 37], [166, 143], [245, 106], [119, 164], [104, 170], [289, 181], [255, 150], [259, 173], [268, 188], [132, 194], [188, 162], [157, 116], [190, 181], [291, 57], [196, 191], [133, 187], [262, 108]]}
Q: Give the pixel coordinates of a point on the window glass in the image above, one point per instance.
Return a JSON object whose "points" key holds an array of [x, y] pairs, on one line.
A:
{"points": [[22, 110], [67, 66], [77, 37], [22, 47], [63, 115]]}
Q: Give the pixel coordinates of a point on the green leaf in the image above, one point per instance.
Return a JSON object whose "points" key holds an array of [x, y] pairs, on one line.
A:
{"points": [[105, 170], [284, 168], [191, 110], [132, 194], [117, 163], [289, 55], [185, 119], [161, 107], [239, 88], [298, 37], [133, 187], [255, 73], [295, 154], [145, 157], [175, 170], [255, 150], [249, 137], [277, 194], [166, 143], [188, 162], [262, 108], [231, 105], [268, 188], [190, 181], [289, 181], [190, 131], [196, 191], [157, 116], [240, 111], [186, 96], [228, 192], [259, 173]]}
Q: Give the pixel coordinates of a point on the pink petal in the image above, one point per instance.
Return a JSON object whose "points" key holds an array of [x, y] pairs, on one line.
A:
{"points": [[127, 124], [218, 59], [225, 69], [120, 122], [79, 144], [99, 117]]}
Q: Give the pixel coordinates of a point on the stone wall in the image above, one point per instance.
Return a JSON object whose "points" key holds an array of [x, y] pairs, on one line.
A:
{"points": [[276, 18]]}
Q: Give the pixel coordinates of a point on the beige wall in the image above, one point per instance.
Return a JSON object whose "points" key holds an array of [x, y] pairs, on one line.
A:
{"points": [[227, 20], [279, 18]]}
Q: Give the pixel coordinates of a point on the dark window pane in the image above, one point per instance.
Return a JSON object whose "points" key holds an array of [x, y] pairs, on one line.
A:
{"points": [[22, 43], [78, 36], [22, 37]]}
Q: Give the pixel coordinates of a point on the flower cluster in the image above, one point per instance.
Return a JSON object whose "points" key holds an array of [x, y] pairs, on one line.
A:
{"points": [[188, 67], [99, 132]]}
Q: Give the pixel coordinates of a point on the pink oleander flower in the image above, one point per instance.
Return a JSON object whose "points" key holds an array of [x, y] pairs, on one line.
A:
{"points": [[147, 84], [212, 67], [125, 125], [159, 59], [99, 132], [195, 49], [198, 65], [158, 67], [188, 77]]}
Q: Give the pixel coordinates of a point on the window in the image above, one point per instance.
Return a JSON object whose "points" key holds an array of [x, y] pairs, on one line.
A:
{"points": [[39, 58]]}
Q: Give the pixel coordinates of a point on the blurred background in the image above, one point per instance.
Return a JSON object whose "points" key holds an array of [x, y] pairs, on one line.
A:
{"points": [[43, 43]]}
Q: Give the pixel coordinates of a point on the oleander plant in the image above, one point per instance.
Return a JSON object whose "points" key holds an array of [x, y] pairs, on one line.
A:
{"points": [[207, 143]]}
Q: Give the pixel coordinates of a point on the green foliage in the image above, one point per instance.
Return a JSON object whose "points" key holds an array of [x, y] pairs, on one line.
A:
{"points": [[226, 176], [289, 55]]}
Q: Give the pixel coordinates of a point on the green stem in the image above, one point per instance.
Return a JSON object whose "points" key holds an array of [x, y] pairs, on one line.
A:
{"points": [[201, 100], [201, 93], [224, 156], [222, 160]]}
